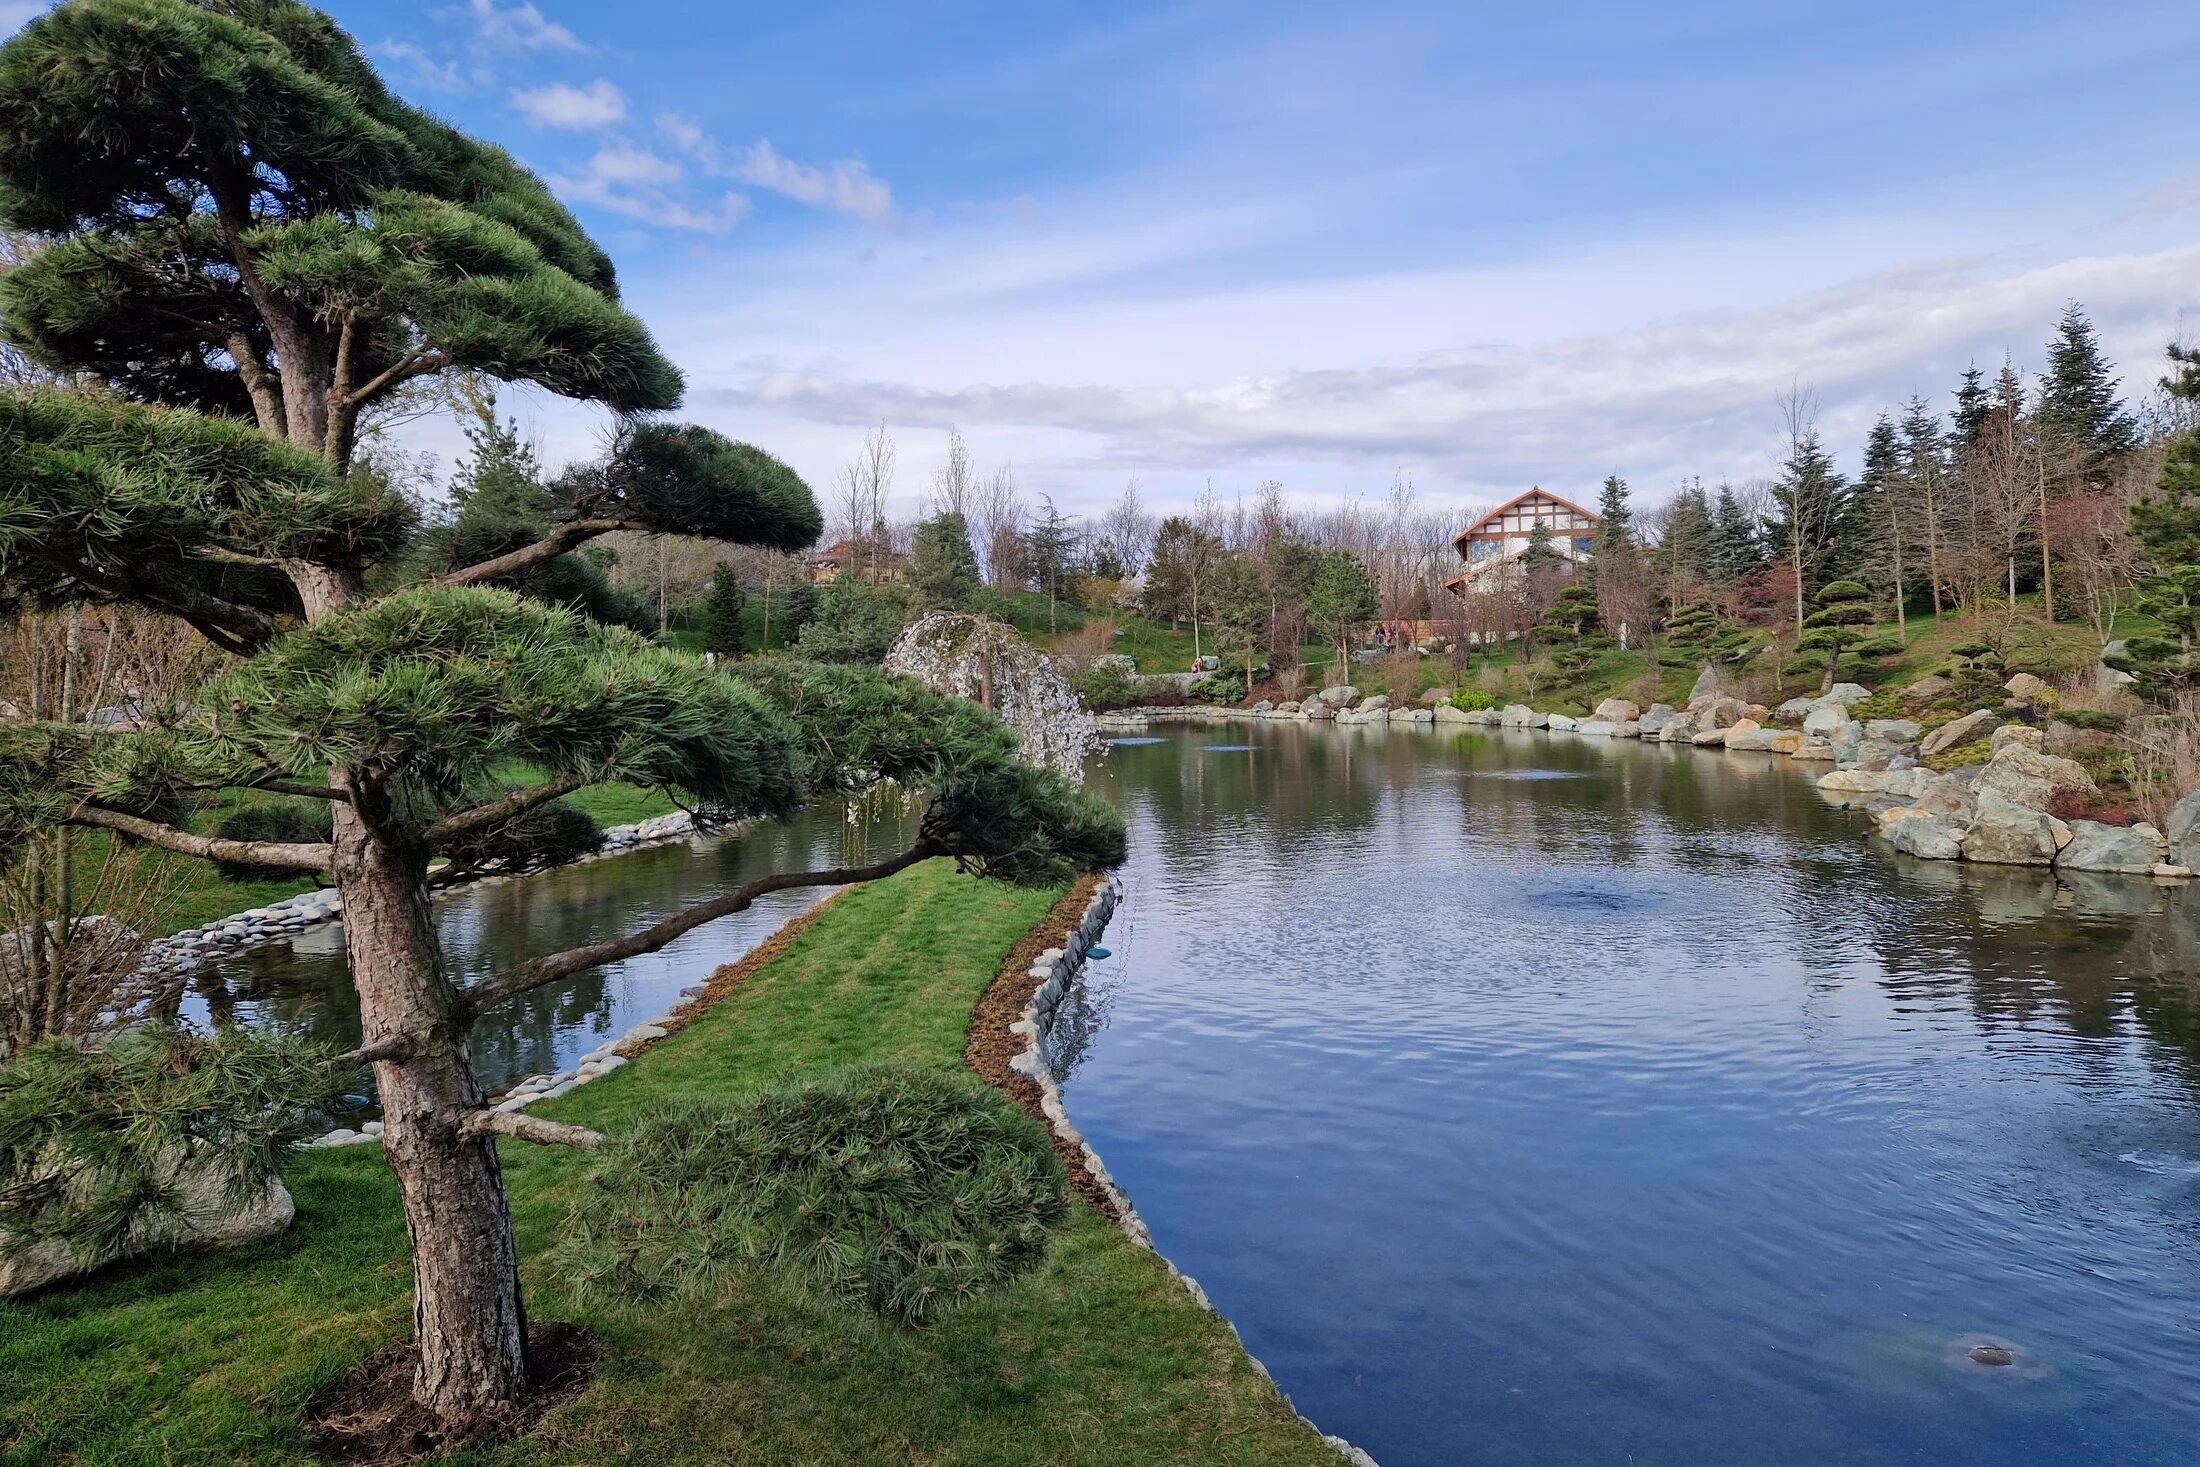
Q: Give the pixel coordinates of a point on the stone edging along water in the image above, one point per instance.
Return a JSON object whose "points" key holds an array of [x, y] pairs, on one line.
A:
{"points": [[1056, 971]]}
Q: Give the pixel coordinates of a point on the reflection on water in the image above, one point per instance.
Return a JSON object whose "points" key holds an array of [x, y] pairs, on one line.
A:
{"points": [[303, 986], [1622, 1104]]}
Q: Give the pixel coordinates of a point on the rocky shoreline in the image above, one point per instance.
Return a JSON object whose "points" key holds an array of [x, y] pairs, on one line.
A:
{"points": [[1994, 810]]}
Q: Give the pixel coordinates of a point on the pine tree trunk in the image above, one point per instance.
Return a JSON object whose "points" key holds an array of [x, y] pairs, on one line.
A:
{"points": [[467, 1315]]}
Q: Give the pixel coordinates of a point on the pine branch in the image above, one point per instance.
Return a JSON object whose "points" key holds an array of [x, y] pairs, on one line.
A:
{"points": [[532, 1128], [564, 538], [228, 626], [490, 992], [398, 373], [518, 802], [280, 855]]}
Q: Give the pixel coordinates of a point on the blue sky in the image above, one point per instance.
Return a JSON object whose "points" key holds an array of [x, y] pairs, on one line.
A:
{"points": [[1489, 245]]}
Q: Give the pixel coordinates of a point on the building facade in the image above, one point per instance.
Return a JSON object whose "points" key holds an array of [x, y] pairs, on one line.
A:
{"points": [[1500, 538]]}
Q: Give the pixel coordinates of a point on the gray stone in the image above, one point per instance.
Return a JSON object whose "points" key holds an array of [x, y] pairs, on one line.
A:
{"points": [[1947, 798], [204, 1218], [1720, 712], [2027, 690], [1917, 834], [1264, 705], [1597, 728], [1656, 717], [1343, 695], [1617, 710], [1445, 713], [1825, 719], [1976, 724], [642, 1032], [1562, 723], [1679, 729], [2024, 776], [1794, 709], [1844, 694], [2183, 831], [2137, 849], [1376, 704], [2011, 734], [1894, 730], [2005, 833]]}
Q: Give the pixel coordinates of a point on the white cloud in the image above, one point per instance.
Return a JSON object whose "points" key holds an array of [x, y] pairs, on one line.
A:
{"points": [[641, 185], [561, 105], [520, 27], [845, 187], [422, 69]]}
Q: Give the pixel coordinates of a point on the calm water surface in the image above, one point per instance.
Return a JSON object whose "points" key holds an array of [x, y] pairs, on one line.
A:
{"points": [[1542, 1100]]}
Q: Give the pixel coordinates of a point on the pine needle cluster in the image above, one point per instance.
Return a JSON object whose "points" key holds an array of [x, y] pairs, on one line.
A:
{"points": [[901, 1191]]}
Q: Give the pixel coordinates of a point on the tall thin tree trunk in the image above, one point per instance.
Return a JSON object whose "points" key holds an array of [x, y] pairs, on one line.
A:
{"points": [[468, 1319], [1901, 598], [2047, 563]]}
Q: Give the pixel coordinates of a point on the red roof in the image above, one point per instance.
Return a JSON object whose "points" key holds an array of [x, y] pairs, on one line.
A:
{"points": [[1564, 503]]}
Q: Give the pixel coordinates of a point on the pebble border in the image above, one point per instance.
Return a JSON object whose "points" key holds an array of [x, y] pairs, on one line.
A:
{"points": [[1056, 971]]}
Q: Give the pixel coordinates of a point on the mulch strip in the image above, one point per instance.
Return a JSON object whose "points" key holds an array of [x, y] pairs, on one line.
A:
{"points": [[991, 1046], [370, 1419], [721, 984]]}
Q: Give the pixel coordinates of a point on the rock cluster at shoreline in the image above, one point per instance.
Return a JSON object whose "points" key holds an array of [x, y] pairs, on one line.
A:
{"points": [[1995, 811]]}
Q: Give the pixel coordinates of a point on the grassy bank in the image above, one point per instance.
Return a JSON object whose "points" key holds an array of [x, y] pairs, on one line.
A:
{"points": [[1099, 1358]]}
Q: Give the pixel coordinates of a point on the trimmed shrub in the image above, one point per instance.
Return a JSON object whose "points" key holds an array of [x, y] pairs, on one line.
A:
{"points": [[1105, 685], [1227, 686], [900, 1191], [297, 821], [1473, 700], [2092, 720]]}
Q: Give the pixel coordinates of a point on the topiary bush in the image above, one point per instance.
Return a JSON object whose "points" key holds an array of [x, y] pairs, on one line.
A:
{"points": [[301, 821], [901, 1191]]}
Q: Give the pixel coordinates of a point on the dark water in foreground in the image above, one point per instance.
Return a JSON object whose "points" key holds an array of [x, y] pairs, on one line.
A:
{"points": [[1542, 1100]]}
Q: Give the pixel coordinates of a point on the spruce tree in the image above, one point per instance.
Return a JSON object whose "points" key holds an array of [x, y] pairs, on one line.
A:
{"points": [[1809, 498], [2079, 410], [1739, 543], [1240, 599], [1925, 470], [244, 224], [722, 608], [1688, 554], [943, 568], [1974, 406], [1341, 601], [2166, 662]]}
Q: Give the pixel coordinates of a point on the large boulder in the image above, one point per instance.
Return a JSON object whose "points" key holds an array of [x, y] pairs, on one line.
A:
{"points": [[2027, 777], [1655, 718], [1915, 833], [1851, 787], [1825, 719], [2183, 831], [1748, 736], [2011, 735], [1318, 708], [2027, 691], [1565, 723], [1844, 694], [1433, 697], [2005, 833], [203, 1218], [1925, 690], [1376, 704], [1894, 730], [1445, 713], [1709, 684], [1679, 729], [1709, 735], [1945, 797], [1617, 710], [2136, 849], [1344, 695], [2108, 679], [1719, 712], [1794, 710], [1516, 715], [1954, 734], [1872, 755]]}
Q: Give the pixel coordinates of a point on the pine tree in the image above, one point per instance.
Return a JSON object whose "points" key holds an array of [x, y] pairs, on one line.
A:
{"points": [[942, 565], [1696, 634], [1341, 601], [1571, 633], [1053, 550], [1241, 609], [1925, 471], [723, 605], [1974, 405], [1842, 627], [1878, 526], [1809, 497], [2166, 662], [1688, 554], [246, 225], [2079, 410]]}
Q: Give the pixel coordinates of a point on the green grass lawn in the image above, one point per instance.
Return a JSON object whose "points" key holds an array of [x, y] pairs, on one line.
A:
{"points": [[1099, 1358]]}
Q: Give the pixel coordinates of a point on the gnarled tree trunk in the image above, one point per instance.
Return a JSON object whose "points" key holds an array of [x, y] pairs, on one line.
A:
{"points": [[467, 1315]]}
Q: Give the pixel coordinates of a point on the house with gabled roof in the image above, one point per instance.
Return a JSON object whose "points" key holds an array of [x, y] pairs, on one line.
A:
{"points": [[1502, 536]]}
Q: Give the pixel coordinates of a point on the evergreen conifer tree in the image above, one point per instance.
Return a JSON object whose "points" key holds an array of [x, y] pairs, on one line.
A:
{"points": [[2166, 662], [244, 224], [723, 605], [1241, 608], [1809, 498], [1341, 601], [1571, 633], [942, 565], [2079, 410], [1841, 626], [1739, 544]]}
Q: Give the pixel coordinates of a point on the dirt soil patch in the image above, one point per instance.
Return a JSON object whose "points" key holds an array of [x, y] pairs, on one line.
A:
{"points": [[370, 1419]]}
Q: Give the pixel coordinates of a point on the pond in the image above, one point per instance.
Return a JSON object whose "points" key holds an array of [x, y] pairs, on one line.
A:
{"points": [[1531, 1099]]}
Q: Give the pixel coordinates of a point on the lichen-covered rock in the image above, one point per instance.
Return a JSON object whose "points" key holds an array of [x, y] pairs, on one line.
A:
{"points": [[1925, 690], [1954, 734], [1894, 730], [2136, 849], [2009, 735], [2006, 833], [2026, 690], [1844, 694], [1794, 710], [1826, 719], [2025, 776]]}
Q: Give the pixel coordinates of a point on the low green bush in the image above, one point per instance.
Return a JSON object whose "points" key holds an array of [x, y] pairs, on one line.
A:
{"points": [[1474, 700], [901, 1191], [1227, 686], [2092, 720], [1978, 751], [1886, 703], [303, 822], [1104, 685]]}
